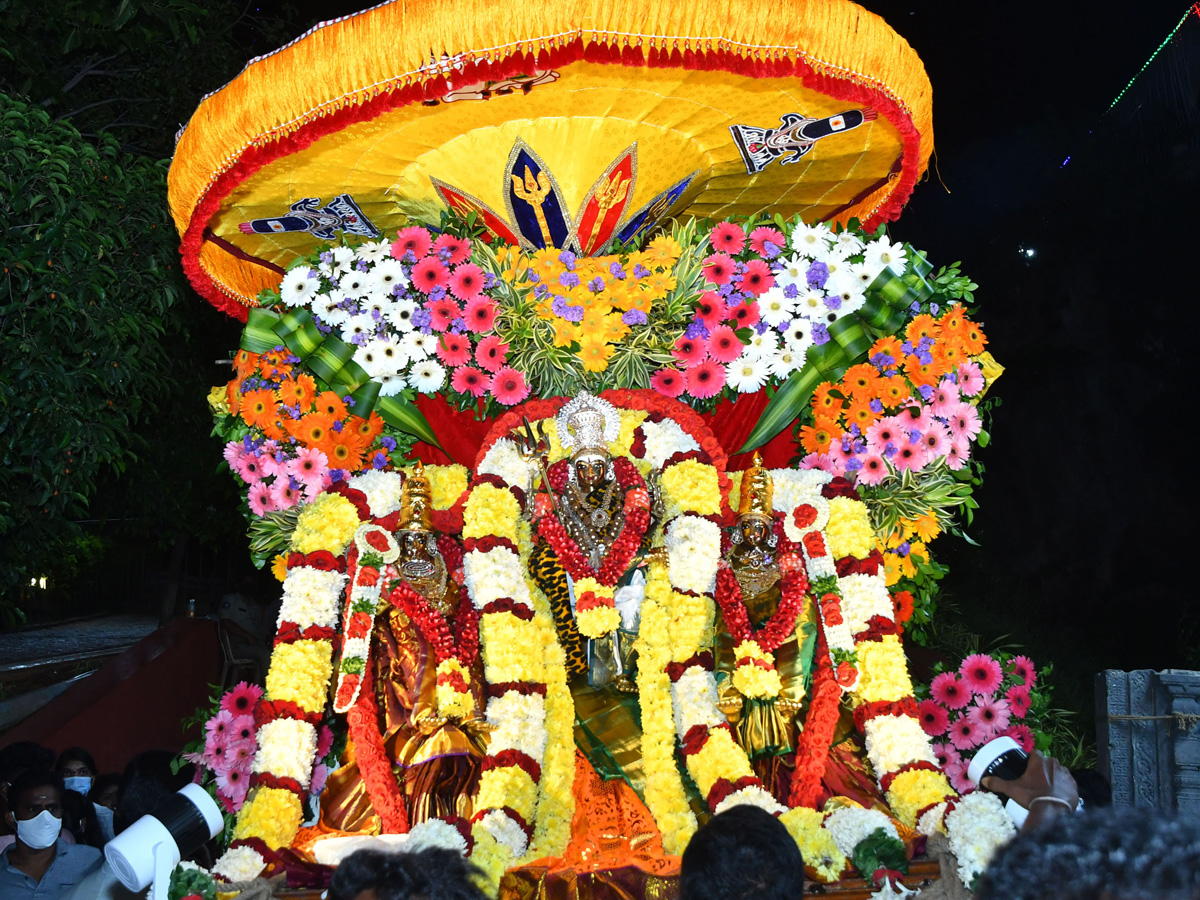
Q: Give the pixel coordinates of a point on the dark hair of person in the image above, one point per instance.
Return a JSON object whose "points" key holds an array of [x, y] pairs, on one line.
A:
{"points": [[432, 874], [146, 782], [30, 780], [102, 783], [1125, 854], [75, 754], [743, 853], [26, 755], [79, 818]]}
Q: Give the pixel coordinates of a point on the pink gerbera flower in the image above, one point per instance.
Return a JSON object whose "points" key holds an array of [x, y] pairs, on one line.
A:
{"points": [[689, 352], [1019, 700], [250, 468], [509, 387], [455, 249], [970, 379], [261, 501], [958, 453], [442, 313], [232, 782], [453, 349], [910, 455], [727, 238], [874, 469], [763, 235], [234, 453], [490, 353], [946, 754], [935, 440], [990, 716], [428, 274], [719, 268], [480, 314], [1022, 667], [414, 240], [320, 774], [324, 742], [466, 282], [705, 380], [309, 466], [914, 417], [884, 432], [1022, 735], [219, 726], [240, 756], [956, 774], [964, 734], [945, 397], [242, 728], [935, 719], [757, 279], [963, 420], [981, 674], [283, 494], [710, 309], [668, 382], [215, 753], [817, 461], [469, 380], [948, 690], [744, 315], [723, 345], [240, 699]]}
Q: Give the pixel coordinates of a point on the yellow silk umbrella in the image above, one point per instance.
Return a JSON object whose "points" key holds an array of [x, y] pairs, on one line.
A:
{"points": [[576, 124]]}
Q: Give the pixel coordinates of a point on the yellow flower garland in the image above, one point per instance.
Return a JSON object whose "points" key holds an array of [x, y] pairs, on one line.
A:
{"points": [[691, 486], [912, 791], [328, 523], [491, 510], [508, 786], [751, 680], [720, 758], [817, 846], [300, 673], [883, 670], [272, 815], [849, 531], [506, 641]]}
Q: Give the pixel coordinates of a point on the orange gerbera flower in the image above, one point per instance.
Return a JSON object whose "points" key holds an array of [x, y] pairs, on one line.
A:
{"points": [[974, 339], [920, 327], [299, 391], [614, 329], [344, 453], [888, 346], [817, 437], [329, 403], [948, 354], [233, 396], [565, 333], [892, 391], [273, 365], [367, 429], [259, 409], [859, 413], [312, 430], [861, 381], [663, 250], [954, 321], [246, 364], [921, 373], [824, 403]]}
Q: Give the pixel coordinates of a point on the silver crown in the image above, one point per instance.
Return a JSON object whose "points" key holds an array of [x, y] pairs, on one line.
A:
{"points": [[588, 424]]}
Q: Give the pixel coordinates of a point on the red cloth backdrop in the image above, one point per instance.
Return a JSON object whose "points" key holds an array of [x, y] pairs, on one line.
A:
{"points": [[461, 433]]}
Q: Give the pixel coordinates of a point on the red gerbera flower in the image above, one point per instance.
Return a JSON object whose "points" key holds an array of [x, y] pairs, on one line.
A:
{"points": [[689, 351], [413, 239], [1023, 668], [744, 315], [509, 387], [668, 382], [705, 380], [981, 673], [428, 274], [718, 268], [710, 309], [1019, 700], [455, 249], [935, 719], [490, 353], [480, 313], [1022, 735], [723, 345], [241, 698], [727, 238], [757, 279], [948, 690], [466, 282], [902, 601], [453, 349], [469, 380], [761, 236], [442, 313]]}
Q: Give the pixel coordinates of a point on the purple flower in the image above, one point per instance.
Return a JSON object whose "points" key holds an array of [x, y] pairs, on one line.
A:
{"points": [[761, 326], [770, 251], [915, 306], [389, 443], [833, 302], [568, 279], [293, 482], [696, 329], [853, 464], [567, 258], [540, 291], [854, 429], [820, 334], [360, 265], [926, 359], [337, 426], [489, 281], [359, 339], [617, 272], [534, 276], [876, 406], [596, 284], [458, 326], [573, 313], [437, 293], [790, 291], [634, 317], [379, 460], [906, 348], [926, 392], [558, 306], [326, 256], [817, 275], [640, 271], [890, 450], [313, 273], [349, 401], [726, 290], [903, 549], [409, 258], [933, 309], [783, 326], [914, 435], [421, 318], [336, 475]]}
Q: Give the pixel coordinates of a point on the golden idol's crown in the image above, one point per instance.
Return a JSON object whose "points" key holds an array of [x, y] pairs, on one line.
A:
{"points": [[758, 490]]}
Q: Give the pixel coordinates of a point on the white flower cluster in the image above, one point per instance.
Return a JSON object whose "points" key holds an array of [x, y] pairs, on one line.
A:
{"points": [[864, 596], [286, 748], [382, 489], [310, 597], [796, 486], [435, 833], [694, 699], [978, 826], [931, 820], [751, 796], [664, 439], [504, 461], [493, 575], [520, 724], [851, 826], [693, 552], [239, 864], [896, 741], [506, 832]]}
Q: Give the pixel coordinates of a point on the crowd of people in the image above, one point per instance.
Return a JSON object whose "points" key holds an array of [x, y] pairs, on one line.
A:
{"points": [[56, 814]]}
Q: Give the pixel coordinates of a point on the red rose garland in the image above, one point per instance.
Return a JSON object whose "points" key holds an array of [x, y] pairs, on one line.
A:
{"points": [[812, 751], [373, 761], [781, 625], [433, 627]]}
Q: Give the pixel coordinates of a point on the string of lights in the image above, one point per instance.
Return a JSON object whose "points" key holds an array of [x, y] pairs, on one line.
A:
{"points": [[1193, 9]]}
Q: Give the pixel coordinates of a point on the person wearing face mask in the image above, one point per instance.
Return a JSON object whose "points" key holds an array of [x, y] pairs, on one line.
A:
{"points": [[40, 865], [77, 770]]}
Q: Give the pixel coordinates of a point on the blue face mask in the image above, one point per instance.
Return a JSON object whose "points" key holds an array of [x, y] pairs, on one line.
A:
{"points": [[81, 783]]}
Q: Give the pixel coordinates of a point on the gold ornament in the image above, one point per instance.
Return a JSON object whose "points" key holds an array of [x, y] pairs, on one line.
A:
{"points": [[757, 491], [416, 502]]}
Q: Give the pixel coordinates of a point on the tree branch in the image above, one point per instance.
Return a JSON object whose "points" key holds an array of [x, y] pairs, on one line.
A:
{"points": [[104, 102], [86, 70]]}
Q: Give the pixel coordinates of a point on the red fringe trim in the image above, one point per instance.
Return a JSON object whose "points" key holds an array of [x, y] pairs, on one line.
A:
{"points": [[270, 710], [905, 706], [290, 633]]}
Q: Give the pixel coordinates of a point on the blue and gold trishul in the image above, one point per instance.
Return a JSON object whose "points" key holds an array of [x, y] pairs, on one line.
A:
{"points": [[538, 216]]}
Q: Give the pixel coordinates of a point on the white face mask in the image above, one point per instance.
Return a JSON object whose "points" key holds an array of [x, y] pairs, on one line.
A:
{"points": [[81, 783], [39, 832]]}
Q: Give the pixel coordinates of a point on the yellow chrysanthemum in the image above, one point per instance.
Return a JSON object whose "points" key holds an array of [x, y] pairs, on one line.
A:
{"points": [[817, 846], [508, 786], [328, 523], [849, 532], [491, 510], [691, 486], [300, 673], [506, 641], [883, 671], [664, 250], [272, 815], [910, 792], [719, 758]]}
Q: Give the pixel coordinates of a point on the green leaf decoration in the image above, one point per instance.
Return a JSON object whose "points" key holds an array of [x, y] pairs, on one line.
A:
{"points": [[879, 850]]}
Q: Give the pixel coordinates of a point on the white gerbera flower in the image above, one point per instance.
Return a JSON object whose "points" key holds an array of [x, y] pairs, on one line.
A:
{"points": [[861, 274], [847, 293], [340, 260], [746, 375], [427, 376], [794, 271], [391, 385], [374, 251], [356, 325], [798, 337], [297, 288], [847, 243], [354, 284], [377, 303], [401, 313], [834, 262], [775, 308], [883, 254], [417, 345], [786, 361], [326, 307], [379, 357], [811, 239], [811, 304], [762, 345], [387, 276]]}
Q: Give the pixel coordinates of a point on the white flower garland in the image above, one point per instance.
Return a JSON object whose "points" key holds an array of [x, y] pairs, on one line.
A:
{"points": [[382, 490], [851, 826], [239, 864], [864, 596], [506, 832], [895, 741], [520, 723], [286, 748], [504, 461], [751, 796], [978, 827], [664, 439], [435, 833], [311, 597], [694, 700], [493, 575], [693, 553]]}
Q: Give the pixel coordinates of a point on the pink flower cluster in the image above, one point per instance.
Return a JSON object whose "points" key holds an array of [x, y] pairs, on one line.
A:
{"points": [[986, 698], [279, 476]]}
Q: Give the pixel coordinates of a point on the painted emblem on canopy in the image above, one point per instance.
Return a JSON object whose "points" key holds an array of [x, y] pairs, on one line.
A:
{"points": [[340, 214], [537, 215], [795, 135]]}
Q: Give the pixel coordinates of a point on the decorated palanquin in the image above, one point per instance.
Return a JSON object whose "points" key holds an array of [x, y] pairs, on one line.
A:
{"points": [[591, 421]]}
